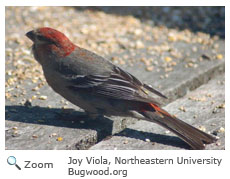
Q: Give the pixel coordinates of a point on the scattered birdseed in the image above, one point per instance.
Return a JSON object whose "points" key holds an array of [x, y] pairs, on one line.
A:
{"points": [[15, 128], [202, 128], [34, 97], [221, 130], [168, 59], [34, 136], [147, 140], [219, 56], [149, 68], [42, 97], [221, 106], [53, 135], [59, 139], [182, 109], [35, 89], [190, 64], [139, 44], [64, 107], [138, 32], [172, 37], [197, 99], [194, 49], [209, 95], [15, 133]]}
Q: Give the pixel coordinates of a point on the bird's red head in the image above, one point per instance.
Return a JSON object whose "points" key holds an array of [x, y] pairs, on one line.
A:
{"points": [[52, 40]]}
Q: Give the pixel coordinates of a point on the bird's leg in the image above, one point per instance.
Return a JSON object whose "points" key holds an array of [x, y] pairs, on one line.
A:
{"points": [[71, 116], [93, 116]]}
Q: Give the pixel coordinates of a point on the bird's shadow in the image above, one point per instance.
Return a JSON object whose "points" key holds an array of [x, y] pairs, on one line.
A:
{"points": [[74, 119]]}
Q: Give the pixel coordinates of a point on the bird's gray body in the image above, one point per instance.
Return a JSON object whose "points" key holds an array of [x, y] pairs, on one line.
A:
{"points": [[82, 64]]}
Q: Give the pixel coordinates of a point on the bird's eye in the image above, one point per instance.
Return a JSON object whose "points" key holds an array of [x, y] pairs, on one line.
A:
{"points": [[41, 38], [44, 39]]}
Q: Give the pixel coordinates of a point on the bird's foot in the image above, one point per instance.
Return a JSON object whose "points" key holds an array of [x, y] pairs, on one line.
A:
{"points": [[93, 116]]}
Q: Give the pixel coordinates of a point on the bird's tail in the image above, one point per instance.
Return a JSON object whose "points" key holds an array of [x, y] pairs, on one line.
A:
{"points": [[191, 135]]}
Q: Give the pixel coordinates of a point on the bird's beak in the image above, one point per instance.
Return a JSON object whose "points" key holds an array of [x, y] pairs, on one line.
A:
{"points": [[31, 35]]}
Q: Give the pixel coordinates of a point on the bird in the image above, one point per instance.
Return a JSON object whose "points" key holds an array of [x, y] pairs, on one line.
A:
{"points": [[101, 88]]}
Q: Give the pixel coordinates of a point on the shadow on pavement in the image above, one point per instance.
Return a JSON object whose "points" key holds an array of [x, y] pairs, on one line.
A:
{"points": [[60, 118], [73, 119], [154, 138]]}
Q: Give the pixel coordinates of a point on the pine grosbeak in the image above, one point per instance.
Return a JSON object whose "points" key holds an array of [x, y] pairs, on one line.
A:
{"points": [[101, 88]]}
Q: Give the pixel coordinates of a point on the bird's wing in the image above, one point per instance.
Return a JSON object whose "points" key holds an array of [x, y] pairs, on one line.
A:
{"points": [[117, 85], [136, 82]]}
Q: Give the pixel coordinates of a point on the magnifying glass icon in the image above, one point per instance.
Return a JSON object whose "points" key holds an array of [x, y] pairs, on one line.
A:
{"points": [[11, 160]]}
